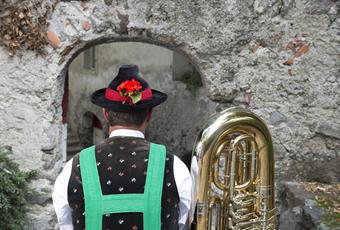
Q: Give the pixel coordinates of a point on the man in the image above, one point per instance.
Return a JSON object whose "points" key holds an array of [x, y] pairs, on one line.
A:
{"points": [[125, 182]]}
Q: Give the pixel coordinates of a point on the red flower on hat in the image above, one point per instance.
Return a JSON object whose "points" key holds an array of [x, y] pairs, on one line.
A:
{"points": [[131, 90]]}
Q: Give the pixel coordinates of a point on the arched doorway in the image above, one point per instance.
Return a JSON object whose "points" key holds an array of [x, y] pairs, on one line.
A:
{"points": [[175, 123]]}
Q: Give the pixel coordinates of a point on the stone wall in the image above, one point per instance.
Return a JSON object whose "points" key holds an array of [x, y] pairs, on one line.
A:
{"points": [[280, 58]]}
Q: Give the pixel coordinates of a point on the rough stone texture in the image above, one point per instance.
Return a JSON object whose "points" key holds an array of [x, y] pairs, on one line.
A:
{"points": [[299, 210], [238, 47]]}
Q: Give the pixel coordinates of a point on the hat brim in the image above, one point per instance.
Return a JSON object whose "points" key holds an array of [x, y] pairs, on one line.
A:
{"points": [[98, 98]]}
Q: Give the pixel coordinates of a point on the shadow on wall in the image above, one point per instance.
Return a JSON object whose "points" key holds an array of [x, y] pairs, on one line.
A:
{"points": [[175, 123]]}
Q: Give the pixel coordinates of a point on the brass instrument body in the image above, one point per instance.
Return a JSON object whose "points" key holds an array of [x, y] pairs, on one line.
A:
{"points": [[233, 171]]}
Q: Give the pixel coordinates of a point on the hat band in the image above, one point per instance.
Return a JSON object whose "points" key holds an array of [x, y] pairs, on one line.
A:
{"points": [[113, 95]]}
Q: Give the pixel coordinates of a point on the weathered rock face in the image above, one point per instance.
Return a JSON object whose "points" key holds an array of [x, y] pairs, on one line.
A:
{"points": [[299, 209], [278, 58]]}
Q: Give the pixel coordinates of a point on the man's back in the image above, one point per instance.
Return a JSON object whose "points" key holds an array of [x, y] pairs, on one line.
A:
{"points": [[122, 160], [122, 167]]}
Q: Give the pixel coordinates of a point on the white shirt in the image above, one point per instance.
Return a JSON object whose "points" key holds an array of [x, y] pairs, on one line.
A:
{"points": [[181, 173]]}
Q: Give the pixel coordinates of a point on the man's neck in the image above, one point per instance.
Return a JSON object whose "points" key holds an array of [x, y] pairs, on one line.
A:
{"points": [[115, 127]]}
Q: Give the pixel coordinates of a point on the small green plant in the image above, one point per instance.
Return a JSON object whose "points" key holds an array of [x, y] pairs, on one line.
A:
{"points": [[331, 219], [192, 80], [328, 197], [14, 191]]}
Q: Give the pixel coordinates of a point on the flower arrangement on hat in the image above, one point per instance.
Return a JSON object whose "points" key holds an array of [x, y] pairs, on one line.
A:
{"points": [[131, 90]]}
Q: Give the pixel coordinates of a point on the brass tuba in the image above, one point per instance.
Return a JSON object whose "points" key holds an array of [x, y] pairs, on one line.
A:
{"points": [[233, 171]]}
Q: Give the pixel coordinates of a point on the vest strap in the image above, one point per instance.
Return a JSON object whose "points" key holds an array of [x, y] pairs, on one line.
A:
{"points": [[154, 187], [92, 189], [148, 203]]}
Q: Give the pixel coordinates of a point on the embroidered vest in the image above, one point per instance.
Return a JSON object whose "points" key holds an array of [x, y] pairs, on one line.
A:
{"points": [[122, 166]]}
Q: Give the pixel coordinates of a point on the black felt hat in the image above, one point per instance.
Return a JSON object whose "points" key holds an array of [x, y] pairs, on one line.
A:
{"points": [[115, 97]]}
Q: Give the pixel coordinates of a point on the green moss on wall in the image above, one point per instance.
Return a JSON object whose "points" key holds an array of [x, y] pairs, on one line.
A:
{"points": [[192, 80]]}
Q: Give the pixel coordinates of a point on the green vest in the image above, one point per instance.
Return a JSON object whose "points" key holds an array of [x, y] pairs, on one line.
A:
{"points": [[148, 203]]}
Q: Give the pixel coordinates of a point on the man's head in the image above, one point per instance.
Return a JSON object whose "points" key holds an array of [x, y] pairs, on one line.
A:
{"points": [[137, 120], [128, 100]]}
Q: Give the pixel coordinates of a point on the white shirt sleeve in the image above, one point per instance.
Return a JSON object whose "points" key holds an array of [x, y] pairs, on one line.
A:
{"points": [[184, 186], [59, 197]]}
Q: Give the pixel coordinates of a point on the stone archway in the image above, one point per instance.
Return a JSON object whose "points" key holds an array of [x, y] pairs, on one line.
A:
{"points": [[36, 132], [74, 44], [175, 123]]}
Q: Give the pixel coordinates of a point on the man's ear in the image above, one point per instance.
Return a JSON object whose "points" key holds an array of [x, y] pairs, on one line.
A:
{"points": [[105, 113]]}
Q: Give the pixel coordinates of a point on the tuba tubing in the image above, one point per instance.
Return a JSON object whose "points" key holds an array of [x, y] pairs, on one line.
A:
{"points": [[247, 176]]}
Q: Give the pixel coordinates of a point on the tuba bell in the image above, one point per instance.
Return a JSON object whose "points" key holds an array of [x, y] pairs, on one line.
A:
{"points": [[233, 171]]}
